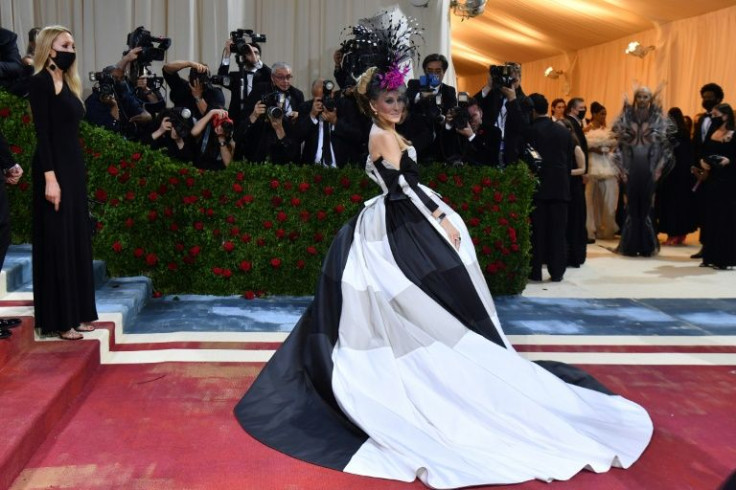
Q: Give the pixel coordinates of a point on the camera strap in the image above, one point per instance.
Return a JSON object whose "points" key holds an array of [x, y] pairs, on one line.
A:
{"points": [[205, 139]]}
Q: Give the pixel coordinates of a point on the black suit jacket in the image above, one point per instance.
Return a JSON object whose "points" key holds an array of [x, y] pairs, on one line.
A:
{"points": [[516, 122], [483, 149], [555, 145], [295, 96], [577, 126], [11, 68], [262, 75], [348, 137]]}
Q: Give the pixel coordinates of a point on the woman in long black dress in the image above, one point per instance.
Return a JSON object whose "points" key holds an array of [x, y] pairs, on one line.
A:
{"points": [[718, 159], [63, 283], [399, 368]]}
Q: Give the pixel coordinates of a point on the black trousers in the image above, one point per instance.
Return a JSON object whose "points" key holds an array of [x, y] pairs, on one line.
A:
{"points": [[4, 222], [549, 237]]}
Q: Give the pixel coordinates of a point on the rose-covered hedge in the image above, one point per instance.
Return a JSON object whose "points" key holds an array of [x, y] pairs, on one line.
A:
{"points": [[254, 229]]}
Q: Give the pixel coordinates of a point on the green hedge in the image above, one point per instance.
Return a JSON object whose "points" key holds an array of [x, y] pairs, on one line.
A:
{"points": [[254, 229]]}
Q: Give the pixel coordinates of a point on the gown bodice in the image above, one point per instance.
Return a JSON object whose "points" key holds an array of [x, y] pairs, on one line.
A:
{"points": [[388, 177]]}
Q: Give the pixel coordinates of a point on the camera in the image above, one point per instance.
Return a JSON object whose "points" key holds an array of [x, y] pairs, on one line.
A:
{"points": [[181, 120], [221, 80], [104, 83], [427, 83], [328, 100], [460, 114], [274, 104], [242, 38], [154, 48], [225, 122], [713, 160], [503, 75]]}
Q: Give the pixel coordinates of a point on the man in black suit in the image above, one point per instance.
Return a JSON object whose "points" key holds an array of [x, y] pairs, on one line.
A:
{"points": [[270, 131], [429, 98], [195, 93], [502, 108], [11, 66], [575, 113], [253, 69], [711, 95], [476, 143], [332, 129], [549, 217], [11, 173]]}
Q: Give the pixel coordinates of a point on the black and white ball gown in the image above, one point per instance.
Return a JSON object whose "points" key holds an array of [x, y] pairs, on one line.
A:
{"points": [[399, 368]]}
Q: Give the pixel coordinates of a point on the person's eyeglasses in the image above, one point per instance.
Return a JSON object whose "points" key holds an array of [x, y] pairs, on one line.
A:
{"points": [[282, 78]]}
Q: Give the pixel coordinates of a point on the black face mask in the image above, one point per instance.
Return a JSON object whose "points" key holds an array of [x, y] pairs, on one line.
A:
{"points": [[716, 121], [64, 59], [709, 104], [581, 114]]}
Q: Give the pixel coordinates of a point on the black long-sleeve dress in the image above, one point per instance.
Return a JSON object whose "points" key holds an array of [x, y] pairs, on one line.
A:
{"points": [[399, 368], [63, 282], [675, 199], [718, 232]]}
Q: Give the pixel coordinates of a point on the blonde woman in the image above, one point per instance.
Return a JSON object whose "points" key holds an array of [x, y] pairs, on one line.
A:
{"points": [[63, 283]]}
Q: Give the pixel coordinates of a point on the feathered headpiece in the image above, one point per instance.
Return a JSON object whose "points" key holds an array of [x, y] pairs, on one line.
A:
{"points": [[386, 42]]}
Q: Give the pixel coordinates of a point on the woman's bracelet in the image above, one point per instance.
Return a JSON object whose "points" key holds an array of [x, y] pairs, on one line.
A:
{"points": [[441, 217]]}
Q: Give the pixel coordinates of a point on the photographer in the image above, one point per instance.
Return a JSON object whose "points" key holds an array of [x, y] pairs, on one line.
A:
{"points": [[430, 99], [270, 131], [113, 106], [196, 93], [330, 127], [466, 138], [216, 146], [501, 99], [147, 89], [173, 132], [250, 66]]}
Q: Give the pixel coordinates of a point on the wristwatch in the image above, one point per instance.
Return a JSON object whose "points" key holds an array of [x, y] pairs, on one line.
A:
{"points": [[441, 217]]}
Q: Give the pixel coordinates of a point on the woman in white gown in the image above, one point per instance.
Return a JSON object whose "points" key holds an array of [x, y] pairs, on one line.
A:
{"points": [[399, 368]]}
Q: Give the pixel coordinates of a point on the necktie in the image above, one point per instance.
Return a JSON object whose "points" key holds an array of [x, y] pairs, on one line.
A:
{"points": [[326, 145]]}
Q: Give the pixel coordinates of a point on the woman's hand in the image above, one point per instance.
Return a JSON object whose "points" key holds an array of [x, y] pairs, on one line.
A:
{"points": [[452, 232], [53, 191]]}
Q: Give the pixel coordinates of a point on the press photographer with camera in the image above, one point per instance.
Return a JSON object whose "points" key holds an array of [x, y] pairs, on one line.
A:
{"points": [[430, 99], [143, 50], [173, 132], [500, 100], [330, 127], [147, 89], [270, 131], [215, 147], [113, 106], [243, 43], [196, 93], [465, 138]]}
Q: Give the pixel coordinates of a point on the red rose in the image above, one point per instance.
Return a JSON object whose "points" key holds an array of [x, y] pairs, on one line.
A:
{"points": [[303, 187], [293, 236], [157, 294], [101, 195], [261, 242], [475, 241], [476, 189], [152, 215], [495, 208], [487, 230], [311, 250], [268, 225], [16, 149], [275, 263], [228, 246], [130, 195], [464, 206], [339, 208], [188, 260], [491, 268], [113, 170], [318, 237], [100, 225], [432, 184], [23, 185], [317, 179], [239, 176], [210, 212], [281, 216], [246, 266], [114, 202], [249, 294], [4, 112], [442, 178], [288, 185], [151, 259], [168, 212], [227, 273], [497, 196], [237, 188], [300, 264], [248, 198], [138, 252], [512, 197], [183, 171], [356, 198], [275, 184], [207, 194], [328, 190], [217, 271], [142, 182], [345, 182], [117, 247], [514, 215], [486, 182], [473, 222], [280, 233], [173, 181], [321, 215], [135, 157], [503, 221], [234, 231], [458, 180], [26, 119], [179, 247], [198, 225], [173, 266], [194, 251], [514, 247], [512, 234], [189, 182], [245, 238], [295, 201], [276, 201], [304, 215], [486, 250], [129, 223]]}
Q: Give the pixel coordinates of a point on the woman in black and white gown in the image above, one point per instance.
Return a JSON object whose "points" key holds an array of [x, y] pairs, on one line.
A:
{"points": [[399, 368]]}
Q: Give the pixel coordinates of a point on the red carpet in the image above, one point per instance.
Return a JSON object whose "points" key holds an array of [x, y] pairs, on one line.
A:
{"points": [[170, 426]]}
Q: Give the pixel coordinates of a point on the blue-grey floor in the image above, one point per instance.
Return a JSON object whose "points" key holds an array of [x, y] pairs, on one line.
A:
{"points": [[519, 315]]}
